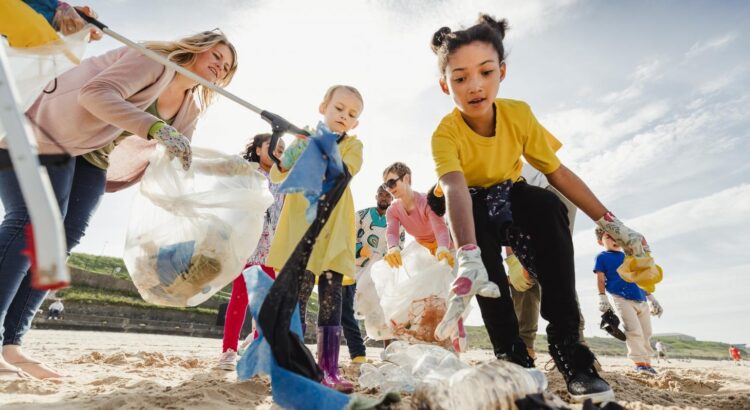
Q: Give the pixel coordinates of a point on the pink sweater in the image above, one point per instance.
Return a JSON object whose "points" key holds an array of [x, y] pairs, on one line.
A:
{"points": [[94, 102], [423, 224]]}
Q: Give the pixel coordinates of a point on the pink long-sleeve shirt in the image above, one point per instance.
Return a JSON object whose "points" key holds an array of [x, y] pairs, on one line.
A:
{"points": [[423, 224], [91, 104]]}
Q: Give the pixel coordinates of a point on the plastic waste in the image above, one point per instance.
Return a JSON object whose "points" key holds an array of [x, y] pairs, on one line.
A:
{"points": [[413, 297], [492, 385], [190, 233], [367, 307]]}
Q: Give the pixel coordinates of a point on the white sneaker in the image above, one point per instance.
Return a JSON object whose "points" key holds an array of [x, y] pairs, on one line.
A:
{"points": [[227, 361]]}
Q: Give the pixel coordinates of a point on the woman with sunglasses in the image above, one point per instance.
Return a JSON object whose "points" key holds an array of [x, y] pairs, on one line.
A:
{"points": [[410, 210]]}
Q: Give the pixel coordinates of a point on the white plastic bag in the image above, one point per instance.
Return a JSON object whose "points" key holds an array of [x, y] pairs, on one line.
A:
{"points": [[414, 296], [34, 68], [367, 306], [190, 233]]}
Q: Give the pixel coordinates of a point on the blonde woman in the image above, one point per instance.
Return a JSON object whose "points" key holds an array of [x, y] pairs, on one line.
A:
{"points": [[87, 112]]}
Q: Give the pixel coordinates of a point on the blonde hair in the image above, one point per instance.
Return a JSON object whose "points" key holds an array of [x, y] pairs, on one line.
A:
{"points": [[185, 51], [333, 88], [398, 168]]}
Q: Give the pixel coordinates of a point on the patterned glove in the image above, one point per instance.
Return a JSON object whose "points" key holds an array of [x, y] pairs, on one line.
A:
{"points": [[292, 154], [471, 280], [631, 241], [393, 257], [604, 303], [443, 254], [656, 309], [177, 145], [518, 276]]}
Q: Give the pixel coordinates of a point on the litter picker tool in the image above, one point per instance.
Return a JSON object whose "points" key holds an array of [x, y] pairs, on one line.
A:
{"points": [[279, 125]]}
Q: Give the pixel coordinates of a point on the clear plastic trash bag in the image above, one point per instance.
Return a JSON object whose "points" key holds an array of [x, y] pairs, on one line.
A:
{"points": [[414, 297], [190, 233], [367, 306], [34, 68]]}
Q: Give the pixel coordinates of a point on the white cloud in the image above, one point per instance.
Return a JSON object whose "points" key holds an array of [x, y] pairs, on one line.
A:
{"points": [[643, 74], [714, 44]]}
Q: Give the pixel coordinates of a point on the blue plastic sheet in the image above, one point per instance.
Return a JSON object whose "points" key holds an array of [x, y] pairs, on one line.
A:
{"points": [[289, 390], [316, 170]]}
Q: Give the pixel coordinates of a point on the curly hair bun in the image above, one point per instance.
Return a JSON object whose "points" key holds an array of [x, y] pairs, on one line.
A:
{"points": [[500, 26], [439, 37]]}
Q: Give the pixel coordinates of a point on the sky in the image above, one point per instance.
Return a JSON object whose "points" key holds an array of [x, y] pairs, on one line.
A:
{"points": [[650, 101]]}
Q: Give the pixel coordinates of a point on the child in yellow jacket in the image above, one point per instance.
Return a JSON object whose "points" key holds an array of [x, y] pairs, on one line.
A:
{"points": [[332, 258]]}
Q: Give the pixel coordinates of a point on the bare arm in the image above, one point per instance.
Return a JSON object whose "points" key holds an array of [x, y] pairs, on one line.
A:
{"points": [[600, 282], [573, 188], [458, 208]]}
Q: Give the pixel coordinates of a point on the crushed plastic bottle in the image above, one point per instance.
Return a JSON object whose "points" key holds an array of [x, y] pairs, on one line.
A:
{"points": [[388, 377], [493, 385]]}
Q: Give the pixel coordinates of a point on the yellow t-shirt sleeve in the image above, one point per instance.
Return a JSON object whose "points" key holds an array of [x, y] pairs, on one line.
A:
{"points": [[23, 26], [445, 152], [540, 146]]}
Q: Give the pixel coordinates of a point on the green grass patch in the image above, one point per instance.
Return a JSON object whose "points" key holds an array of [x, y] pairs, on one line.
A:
{"points": [[609, 346], [107, 265], [110, 297]]}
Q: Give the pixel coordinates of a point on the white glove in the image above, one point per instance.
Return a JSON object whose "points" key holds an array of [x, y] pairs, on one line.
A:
{"points": [[656, 309], [471, 280], [604, 303], [631, 241], [178, 145]]}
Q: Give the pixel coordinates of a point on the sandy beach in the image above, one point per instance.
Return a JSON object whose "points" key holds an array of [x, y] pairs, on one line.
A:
{"points": [[142, 371]]}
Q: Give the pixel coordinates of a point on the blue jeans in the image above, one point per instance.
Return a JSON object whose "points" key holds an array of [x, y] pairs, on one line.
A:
{"points": [[88, 187], [18, 300], [352, 333]]}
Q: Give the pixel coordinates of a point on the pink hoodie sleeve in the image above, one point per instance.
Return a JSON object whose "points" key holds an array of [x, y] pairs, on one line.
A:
{"points": [[393, 228], [106, 94], [439, 228]]}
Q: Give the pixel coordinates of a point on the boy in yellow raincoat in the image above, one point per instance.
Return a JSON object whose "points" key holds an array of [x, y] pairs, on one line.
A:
{"points": [[333, 254]]}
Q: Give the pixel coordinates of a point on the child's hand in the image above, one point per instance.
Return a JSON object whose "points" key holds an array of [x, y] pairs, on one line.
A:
{"points": [[632, 242], [604, 303], [443, 254], [656, 309], [393, 257], [518, 276]]}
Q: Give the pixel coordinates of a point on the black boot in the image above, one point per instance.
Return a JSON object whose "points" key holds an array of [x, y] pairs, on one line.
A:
{"points": [[576, 363], [517, 353]]}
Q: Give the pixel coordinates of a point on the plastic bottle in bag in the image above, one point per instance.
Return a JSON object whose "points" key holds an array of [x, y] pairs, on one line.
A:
{"points": [[369, 376], [494, 385]]}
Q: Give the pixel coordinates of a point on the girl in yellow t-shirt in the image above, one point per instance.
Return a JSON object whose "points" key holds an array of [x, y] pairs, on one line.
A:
{"points": [[477, 150], [332, 258]]}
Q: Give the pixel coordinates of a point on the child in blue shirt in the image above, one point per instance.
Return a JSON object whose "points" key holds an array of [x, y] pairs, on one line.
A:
{"points": [[631, 303]]}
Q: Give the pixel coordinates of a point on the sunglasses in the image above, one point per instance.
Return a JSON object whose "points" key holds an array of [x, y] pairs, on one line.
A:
{"points": [[391, 183]]}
